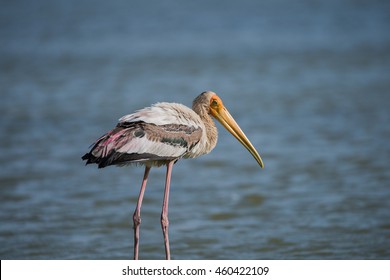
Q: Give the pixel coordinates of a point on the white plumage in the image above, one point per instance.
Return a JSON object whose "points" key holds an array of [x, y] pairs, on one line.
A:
{"points": [[163, 113], [160, 114]]}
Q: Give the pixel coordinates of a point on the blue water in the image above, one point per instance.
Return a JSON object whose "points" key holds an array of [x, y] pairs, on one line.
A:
{"points": [[308, 82]]}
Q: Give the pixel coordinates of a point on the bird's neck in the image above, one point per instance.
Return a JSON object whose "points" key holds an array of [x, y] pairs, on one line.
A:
{"points": [[211, 132]]}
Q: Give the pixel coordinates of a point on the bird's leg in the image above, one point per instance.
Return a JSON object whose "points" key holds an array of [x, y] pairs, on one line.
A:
{"points": [[137, 212], [164, 212]]}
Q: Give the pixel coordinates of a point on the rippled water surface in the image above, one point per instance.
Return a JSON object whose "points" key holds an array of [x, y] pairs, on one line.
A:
{"points": [[308, 82]]}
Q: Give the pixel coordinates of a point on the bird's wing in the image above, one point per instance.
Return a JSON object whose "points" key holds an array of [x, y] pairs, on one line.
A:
{"points": [[155, 134], [164, 113]]}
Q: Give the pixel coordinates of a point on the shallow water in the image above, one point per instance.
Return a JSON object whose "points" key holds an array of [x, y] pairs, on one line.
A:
{"points": [[307, 81]]}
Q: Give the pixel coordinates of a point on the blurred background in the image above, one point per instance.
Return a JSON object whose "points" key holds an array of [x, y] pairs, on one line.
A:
{"points": [[308, 82]]}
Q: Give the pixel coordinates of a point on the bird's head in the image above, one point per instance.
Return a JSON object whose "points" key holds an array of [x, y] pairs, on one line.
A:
{"points": [[219, 111]]}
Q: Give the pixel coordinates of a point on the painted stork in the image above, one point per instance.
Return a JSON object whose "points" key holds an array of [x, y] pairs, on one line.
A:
{"points": [[161, 135]]}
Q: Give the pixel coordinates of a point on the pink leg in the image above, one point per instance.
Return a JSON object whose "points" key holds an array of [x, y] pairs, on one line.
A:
{"points": [[164, 213], [137, 213]]}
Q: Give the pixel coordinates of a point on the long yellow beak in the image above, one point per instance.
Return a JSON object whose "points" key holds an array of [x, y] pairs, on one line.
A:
{"points": [[224, 117]]}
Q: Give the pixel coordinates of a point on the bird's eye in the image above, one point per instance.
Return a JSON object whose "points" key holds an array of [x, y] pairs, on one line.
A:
{"points": [[214, 103]]}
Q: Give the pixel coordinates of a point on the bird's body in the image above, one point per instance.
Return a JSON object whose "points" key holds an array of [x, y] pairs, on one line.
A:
{"points": [[161, 135], [154, 136]]}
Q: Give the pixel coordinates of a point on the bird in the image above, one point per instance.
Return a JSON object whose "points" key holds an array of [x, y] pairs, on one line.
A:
{"points": [[161, 135]]}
